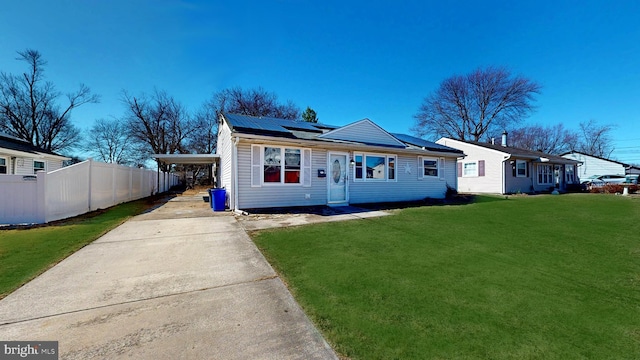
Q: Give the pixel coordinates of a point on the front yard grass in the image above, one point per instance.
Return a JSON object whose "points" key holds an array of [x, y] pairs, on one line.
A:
{"points": [[26, 253], [538, 277]]}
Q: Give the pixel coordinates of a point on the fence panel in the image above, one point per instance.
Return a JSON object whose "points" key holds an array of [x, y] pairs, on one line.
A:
{"points": [[67, 191], [21, 203], [75, 190], [102, 185]]}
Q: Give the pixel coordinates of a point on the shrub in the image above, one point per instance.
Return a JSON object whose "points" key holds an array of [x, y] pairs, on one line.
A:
{"points": [[613, 189], [451, 192]]}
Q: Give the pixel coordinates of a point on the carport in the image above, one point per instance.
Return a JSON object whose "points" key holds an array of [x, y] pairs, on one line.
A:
{"points": [[191, 159]]}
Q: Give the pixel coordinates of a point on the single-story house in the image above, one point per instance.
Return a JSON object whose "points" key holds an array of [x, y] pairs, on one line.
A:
{"points": [[501, 169], [594, 165], [633, 170], [18, 157], [270, 162]]}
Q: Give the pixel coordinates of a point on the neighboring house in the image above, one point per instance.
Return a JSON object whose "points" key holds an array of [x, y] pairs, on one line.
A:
{"points": [[594, 165], [633, 170], [269, 162], [19, 157], [500, 169]]}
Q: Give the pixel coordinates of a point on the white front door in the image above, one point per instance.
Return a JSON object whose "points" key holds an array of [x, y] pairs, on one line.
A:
{"points": [[337, 178]]}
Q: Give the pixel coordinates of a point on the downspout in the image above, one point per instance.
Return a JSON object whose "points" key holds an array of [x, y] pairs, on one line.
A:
{"points": [[234, 173], [504, 174]]}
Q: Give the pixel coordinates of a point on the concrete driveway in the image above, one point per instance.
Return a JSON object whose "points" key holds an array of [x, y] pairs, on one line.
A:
{"points": [[179, 282]]}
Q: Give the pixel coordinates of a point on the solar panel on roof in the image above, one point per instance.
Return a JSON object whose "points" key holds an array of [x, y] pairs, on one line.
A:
{"points": [[271, 124], [421, 142]]}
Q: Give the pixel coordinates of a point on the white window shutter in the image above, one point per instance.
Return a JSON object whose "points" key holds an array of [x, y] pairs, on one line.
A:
{"points": [[420, 168], [306, 167], [441, 169], [256, 166]]}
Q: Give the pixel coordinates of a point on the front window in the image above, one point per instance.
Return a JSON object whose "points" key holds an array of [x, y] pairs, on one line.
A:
{"points": [[370, 167], [392, 168], [375, 167], [272, 164], [545, 174], [3, 165], [569, 174], [358, 166], [38, 166], [292, 166], [521, 168], [430, 167], [275, 172], [469, 169]]}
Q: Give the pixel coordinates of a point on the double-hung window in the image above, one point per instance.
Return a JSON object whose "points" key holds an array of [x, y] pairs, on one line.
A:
{"points": [[430, 167], [470, 169], [570, 174], [374, 167], [280, 165], [521, 168], [3, 165], [273, 169], [38, 166], [545, 174]]}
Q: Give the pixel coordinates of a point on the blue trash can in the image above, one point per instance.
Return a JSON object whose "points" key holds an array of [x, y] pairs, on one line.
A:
{"points": [[219, 197]]}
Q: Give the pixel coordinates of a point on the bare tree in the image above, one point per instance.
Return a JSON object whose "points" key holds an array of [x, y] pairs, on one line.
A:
{"points": [[29, 108], [468, 106], [254, 102], [310, 115], [554, 139], [595, 139], [158, 122], [204, 140], [110, 141]]}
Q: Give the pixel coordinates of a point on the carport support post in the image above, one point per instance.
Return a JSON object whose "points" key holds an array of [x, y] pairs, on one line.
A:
{"points": [[158, 177]]}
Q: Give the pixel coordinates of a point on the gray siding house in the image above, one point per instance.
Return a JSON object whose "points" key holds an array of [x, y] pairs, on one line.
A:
{"points": [[500, 169], [270, 162], [18, 157]]}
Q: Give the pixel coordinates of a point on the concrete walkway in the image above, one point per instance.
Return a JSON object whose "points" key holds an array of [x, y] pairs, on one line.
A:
{"points": [[179, 282]]}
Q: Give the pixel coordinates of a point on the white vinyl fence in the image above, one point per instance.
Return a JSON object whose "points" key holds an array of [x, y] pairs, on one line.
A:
{"points": [[75, 190]]}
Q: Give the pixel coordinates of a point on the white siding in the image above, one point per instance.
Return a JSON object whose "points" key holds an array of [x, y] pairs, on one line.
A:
{"points": [[24, 166], [409, 185], [491, 183], [363, 131], [225, 150], [54, 165], [594, 166], [280, 195]]}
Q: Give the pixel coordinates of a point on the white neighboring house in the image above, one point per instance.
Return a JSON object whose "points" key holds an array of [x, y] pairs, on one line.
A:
{"points": [[18, 157], [500, 169], [594, 165], [270, 162]]}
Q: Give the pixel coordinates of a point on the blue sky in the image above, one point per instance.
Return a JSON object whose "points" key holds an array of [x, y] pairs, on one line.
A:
{"points": [[348, 60]]}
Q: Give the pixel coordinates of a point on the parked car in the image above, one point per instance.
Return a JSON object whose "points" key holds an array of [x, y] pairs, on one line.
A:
{"points": [[631, 179], [601, 180]]}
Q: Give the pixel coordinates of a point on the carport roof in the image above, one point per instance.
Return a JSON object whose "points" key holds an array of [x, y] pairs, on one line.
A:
{"points": [[186, 158]]}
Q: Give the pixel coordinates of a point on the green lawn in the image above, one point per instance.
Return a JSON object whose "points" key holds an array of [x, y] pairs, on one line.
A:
{"points": [[537, 277], [24, 254]]}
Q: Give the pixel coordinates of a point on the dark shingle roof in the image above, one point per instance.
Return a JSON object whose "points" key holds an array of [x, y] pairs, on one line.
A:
{"points": [[428, 145], [519, 152], [13, 143]]}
